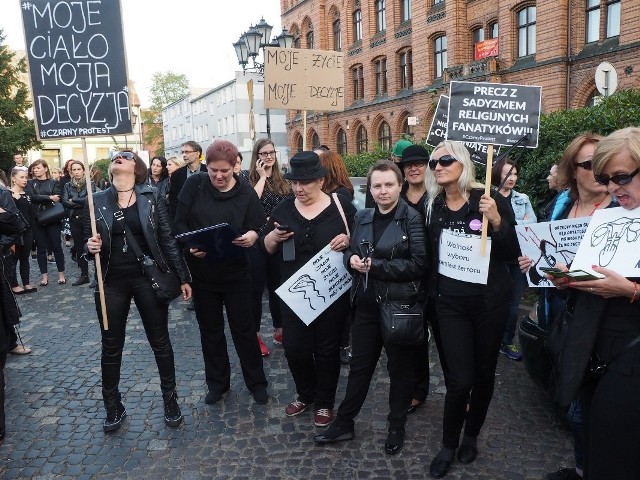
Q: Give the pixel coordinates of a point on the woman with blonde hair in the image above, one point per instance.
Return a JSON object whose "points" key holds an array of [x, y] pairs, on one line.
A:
{"points": [[174, 163]]}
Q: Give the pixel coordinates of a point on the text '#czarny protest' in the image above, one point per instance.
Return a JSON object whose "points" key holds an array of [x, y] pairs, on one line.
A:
{"points": [[77, 66]]}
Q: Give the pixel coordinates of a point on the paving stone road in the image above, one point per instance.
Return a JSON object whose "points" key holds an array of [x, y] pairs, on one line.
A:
{"points": [[54, 413]]}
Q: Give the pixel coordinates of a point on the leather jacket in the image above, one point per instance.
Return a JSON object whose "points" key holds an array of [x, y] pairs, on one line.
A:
{"points": [[72, 199], [398, 260], [155, 223], [41, 190]]}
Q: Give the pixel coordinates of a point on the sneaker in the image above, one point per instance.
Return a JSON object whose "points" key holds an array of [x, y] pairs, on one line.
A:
{"points": [[512, 351], [564, 474], [263, 347], [114, 418], [277, 336], [172, 414], [296, 408], [323, 417]]}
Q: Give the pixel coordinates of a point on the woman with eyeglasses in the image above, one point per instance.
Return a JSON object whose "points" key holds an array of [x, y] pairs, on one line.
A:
{"points": [[265, 177], [606, 328], [128, 210], [470, 312]]}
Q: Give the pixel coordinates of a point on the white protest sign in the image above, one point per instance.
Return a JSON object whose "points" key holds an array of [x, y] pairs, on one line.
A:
{"points": [[549, 243], [611, 241], [316, 285], [460, 257]]}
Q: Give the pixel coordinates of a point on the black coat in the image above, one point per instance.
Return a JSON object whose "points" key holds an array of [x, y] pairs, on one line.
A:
{"points": [[155, 224], [72, 199], [176, 182], [399, 259]]}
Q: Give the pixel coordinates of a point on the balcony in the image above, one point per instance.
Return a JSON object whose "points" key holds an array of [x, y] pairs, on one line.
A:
{"points": [[471, 71]]}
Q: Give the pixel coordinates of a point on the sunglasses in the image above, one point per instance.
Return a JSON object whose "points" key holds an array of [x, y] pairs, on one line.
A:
{"points": [[123, 155], [443, 161], [621, 179], [587, 164]]}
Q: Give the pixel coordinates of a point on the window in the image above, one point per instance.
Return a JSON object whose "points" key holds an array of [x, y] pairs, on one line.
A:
{"points": [[493, 30], [406, 70], [296, 42], [384, 136], [315, 141], [381, 22], [381, 76], [478, 36], [436, 2], [362, 139], [527, 31], [592, 27], [613, 18], [337, 30], [358, 82], [405, 10], [357, 25], [440, 54], [300, 142], [342, 142], [310, 39]]}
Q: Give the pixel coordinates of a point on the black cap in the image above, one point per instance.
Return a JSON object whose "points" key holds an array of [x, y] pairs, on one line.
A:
{"points": [[414, 153], [305, 166]]}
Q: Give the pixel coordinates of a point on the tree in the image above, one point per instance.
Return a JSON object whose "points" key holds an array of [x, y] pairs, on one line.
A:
{"points": [[166, 88], [17, 131]]}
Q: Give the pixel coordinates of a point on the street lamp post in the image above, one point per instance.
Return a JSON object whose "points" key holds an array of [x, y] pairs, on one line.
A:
{"points": [[249, 44]]}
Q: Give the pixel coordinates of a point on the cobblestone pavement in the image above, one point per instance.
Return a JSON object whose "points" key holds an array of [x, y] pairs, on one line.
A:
{"points": [[54, 413]]}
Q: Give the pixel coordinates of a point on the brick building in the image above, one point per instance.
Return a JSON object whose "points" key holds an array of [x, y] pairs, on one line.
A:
{"points": [[400, 55]]}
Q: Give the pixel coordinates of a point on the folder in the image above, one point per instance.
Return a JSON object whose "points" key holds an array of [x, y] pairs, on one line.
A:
{"points": [[215, 240]]}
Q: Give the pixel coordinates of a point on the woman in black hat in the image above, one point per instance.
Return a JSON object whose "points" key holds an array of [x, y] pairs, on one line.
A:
{"points": [[310, 221]]}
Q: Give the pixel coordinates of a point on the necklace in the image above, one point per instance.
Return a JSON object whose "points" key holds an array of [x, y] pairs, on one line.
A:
{"points": [[119, 215], [595, 206], [123, 191]]}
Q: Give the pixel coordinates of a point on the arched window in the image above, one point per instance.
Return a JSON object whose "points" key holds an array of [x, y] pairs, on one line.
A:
{"points": [[362, 141], [380, 67], [341, 141], [300, 143], [440, 54], [356, 17], [315, 141], [406, 70], [384, 136], [527, 31], [337, 32]]}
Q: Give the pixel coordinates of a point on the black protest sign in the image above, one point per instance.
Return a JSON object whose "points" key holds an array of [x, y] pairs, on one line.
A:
{"points": [[494, 113], [438, 133], [78, 69]]}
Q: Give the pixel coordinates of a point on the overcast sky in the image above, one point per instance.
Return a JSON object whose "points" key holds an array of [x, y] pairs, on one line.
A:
{"points": [[193, 37]]}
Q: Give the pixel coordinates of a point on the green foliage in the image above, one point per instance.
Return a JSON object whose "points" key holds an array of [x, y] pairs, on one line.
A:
{"points": [[103, 165], [358, 165], [17, 132], [167, 87]]}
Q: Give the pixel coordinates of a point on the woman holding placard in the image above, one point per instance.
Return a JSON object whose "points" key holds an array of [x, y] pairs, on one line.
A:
{"points": [[470, 291], [607, 335]]}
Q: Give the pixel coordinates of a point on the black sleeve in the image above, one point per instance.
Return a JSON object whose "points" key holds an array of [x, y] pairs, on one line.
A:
{"points": [[184, 201], [255, 217], [168, 242], [504, 241], [172, 199]]}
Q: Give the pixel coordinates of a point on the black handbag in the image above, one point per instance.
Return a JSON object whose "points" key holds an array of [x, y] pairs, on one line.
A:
{"points": [[50, 215], [166, 285], [401, 323]]}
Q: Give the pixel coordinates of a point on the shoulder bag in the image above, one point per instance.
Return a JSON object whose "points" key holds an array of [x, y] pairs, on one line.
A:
{"points": [[401, 323], [50, 215]]}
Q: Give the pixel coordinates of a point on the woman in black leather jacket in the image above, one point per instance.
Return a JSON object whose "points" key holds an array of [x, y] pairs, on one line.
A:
{"points": [[44, 193], [387, 257], [133, 208]]}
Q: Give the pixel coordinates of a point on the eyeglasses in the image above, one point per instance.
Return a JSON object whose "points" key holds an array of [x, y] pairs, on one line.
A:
{"points": [[267, 154], [184, 152], [414, 165], [587, 164], [123, 155], [621, 179], [444, 161]]}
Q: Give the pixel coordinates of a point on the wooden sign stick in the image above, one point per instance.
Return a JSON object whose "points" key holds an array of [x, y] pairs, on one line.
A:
{"points": [[94, 231], [487, 191], [304, 130]]}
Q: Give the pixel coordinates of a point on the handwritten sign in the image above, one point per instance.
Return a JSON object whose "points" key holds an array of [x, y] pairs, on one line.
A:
{"points": [[486, 48], [301, 79], [611, 241], [77, 65], [549, 243], [438, 133], [316, 285], [493, 113], [460, 257]]}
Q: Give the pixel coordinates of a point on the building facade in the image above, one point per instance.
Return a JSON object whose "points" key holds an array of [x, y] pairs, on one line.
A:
{"points": [[400, 55]]}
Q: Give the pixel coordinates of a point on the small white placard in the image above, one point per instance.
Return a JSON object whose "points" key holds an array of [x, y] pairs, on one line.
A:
{"points": [[460, 257], [316, 285]]}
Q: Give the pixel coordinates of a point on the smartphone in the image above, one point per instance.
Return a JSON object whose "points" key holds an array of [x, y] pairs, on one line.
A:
{"points": [[288, 250], [578, 275], [284, 228]]}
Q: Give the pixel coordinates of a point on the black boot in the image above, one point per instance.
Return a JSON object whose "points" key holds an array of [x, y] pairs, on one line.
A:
{"points": [[172, 415], [81, 280], [115, 416]]}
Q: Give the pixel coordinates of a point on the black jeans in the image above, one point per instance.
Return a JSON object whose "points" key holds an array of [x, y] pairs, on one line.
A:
{"points": [[48, 238], [155, 319], [3, 361], [421, 357], [76, 225], [313, 352], [209, 313], [21, 256], [265, 270], [366, 345], [470, 330]]}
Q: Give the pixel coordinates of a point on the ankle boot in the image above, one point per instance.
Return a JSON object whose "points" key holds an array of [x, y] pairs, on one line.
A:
{"points": [[115, 416], [81, 280], [172, 415]]}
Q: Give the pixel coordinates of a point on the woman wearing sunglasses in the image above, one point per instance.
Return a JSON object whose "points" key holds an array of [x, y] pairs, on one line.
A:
{"points": [[470, 316], [608, 311]]}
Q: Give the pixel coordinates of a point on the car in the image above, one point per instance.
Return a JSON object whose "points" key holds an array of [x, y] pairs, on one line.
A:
{"points": [[359, 191]]}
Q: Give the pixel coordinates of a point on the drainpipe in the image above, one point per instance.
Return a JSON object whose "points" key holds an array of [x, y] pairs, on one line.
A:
{"points": [[568, 82]]}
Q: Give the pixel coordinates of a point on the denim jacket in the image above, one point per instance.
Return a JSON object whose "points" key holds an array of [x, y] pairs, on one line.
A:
{"points": [[522, 208]]}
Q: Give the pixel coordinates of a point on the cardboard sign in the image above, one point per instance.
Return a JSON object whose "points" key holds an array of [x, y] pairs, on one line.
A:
{"points": [[438, 132], [316, 285], [301, 79], [77, 65], [549, 243], [486, 48], [460, 257], [611, 241], [493, 113]]}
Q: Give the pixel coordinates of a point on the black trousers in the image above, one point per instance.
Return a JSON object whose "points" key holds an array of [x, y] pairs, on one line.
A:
{"points": [[366, 345], [313, 352], [21, 256], [470, 331], [155, 320], [3, 361], [77, 233], [421, 357], [209, 313], [48, 238], [265, 271]]}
